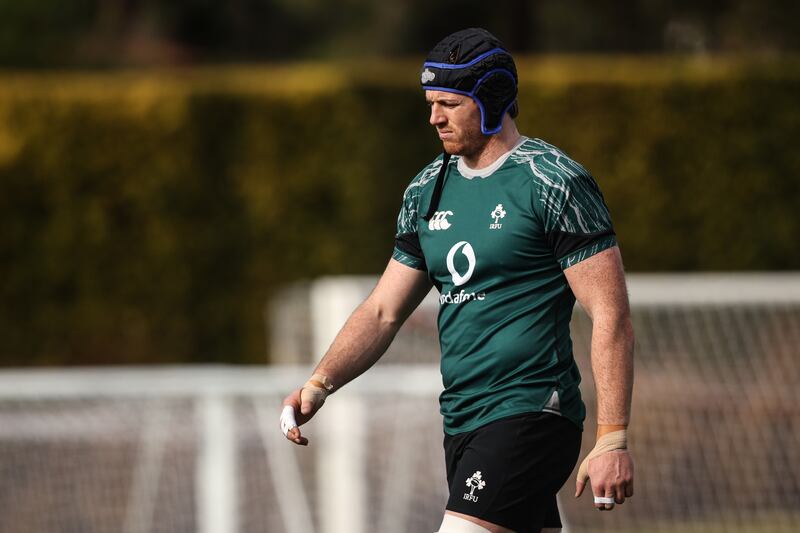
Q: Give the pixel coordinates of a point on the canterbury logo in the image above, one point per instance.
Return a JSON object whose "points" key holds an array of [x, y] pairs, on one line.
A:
{"points": [[439, 220], [469, 253]]}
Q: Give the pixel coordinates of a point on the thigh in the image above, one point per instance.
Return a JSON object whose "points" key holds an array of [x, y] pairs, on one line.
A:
{"points": [[509, 471]]}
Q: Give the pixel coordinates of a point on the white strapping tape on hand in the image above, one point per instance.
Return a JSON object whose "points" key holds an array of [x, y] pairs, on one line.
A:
{"points": [[604, 499], [287, 419], [616, 440]]}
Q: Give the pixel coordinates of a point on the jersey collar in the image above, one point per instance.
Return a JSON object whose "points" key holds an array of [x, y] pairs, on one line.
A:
{"points": [[487, 171]]}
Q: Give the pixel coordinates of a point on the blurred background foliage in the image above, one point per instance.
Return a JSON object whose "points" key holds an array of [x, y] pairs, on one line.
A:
{"points": [[103, 33], [164, 167], [148, 216]]}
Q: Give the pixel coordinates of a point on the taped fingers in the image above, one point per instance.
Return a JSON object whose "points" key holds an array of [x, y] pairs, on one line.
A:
{"points": [[287, 419], [289, 426], [604, 503]]}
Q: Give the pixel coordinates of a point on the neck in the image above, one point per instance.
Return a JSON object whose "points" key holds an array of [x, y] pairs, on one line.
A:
{"points": [[497, 145]]}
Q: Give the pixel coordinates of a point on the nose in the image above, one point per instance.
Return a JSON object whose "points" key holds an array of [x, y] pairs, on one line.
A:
{"points": [[437, 117]]}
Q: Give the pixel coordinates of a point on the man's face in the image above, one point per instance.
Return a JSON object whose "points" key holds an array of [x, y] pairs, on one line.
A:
{"points": [[457, 120]]}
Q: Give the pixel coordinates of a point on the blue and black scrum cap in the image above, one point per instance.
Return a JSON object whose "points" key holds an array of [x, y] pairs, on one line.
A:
{"points": [[473, 62]]}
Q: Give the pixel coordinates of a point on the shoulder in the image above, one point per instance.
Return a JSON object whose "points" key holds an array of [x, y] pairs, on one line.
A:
{"points": [[565, 194], [426, 177], [422, 184], [547, 165]]}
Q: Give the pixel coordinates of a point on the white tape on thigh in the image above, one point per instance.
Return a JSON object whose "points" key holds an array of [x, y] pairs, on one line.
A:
{"points": [[456, 524], [604, 499], [287, 419]]}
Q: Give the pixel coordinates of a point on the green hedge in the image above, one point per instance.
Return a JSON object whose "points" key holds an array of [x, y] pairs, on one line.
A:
{"points": [[147, 216]]}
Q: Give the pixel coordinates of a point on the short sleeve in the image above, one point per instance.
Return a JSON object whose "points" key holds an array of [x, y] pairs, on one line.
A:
{"points": [[407, 248], [576, 220]]}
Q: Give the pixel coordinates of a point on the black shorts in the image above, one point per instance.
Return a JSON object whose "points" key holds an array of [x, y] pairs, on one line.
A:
{"points": [[509, 471]]}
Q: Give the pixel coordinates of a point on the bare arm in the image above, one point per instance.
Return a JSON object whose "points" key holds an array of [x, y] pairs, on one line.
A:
{"points": [[363, 339], [599, 285], [371, 328]]}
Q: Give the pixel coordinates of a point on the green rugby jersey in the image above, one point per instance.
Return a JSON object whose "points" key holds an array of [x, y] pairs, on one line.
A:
{"points": [[496, 249]]}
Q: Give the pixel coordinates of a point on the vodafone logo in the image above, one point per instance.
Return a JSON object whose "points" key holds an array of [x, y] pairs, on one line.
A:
{"points": [[469, 253]]}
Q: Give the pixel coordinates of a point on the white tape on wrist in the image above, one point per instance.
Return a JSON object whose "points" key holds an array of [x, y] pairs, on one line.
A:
{"points": [[287, 419], [603, 499]]}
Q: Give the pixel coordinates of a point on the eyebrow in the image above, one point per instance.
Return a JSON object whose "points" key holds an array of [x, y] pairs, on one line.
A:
{"points": [[447, 99]]}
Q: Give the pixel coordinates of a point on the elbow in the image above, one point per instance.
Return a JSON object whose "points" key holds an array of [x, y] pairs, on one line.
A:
{"points": [[616, 325], [389, 321], [386, 319]]}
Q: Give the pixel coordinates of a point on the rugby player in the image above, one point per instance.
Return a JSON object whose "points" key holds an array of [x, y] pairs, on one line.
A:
{"points": [[511, 231]]}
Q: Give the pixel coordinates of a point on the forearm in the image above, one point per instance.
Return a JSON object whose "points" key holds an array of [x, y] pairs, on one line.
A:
{"points": [[612, 365], [599, 285], [361, 342]]}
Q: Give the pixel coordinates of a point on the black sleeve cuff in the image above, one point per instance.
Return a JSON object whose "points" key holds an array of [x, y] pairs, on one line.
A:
{"points": [[408, 243], [565, 243]]}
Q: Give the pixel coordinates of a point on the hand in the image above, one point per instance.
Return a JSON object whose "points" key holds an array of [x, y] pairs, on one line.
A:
{"points": [[303, 404], [611, 475]]}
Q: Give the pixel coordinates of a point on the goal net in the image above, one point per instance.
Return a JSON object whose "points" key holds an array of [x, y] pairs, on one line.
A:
{"points": [[715, 431]]}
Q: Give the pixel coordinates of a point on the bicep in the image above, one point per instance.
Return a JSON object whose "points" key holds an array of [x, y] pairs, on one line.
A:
{"points": [[598, 283], [399, 291]]}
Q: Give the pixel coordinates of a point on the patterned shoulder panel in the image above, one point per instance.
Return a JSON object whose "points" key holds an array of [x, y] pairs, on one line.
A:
{"points": [[409, 211], [568, 196]]}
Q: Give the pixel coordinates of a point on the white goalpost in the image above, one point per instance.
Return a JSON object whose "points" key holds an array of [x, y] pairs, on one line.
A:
{"points": [[715, 432]]}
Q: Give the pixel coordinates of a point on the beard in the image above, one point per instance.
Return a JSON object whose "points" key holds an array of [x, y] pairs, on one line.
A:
{"points": [[470, 144]]}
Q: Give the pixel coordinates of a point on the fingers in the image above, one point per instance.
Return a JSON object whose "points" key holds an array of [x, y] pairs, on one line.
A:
{"points": [[583, 475], [619, 494], [295, 436], [603, 494], [298, 408], [307, 407], [293, 399], [311, 399], [611, 478], [579, 486], [289, 426], [604, 503]]}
